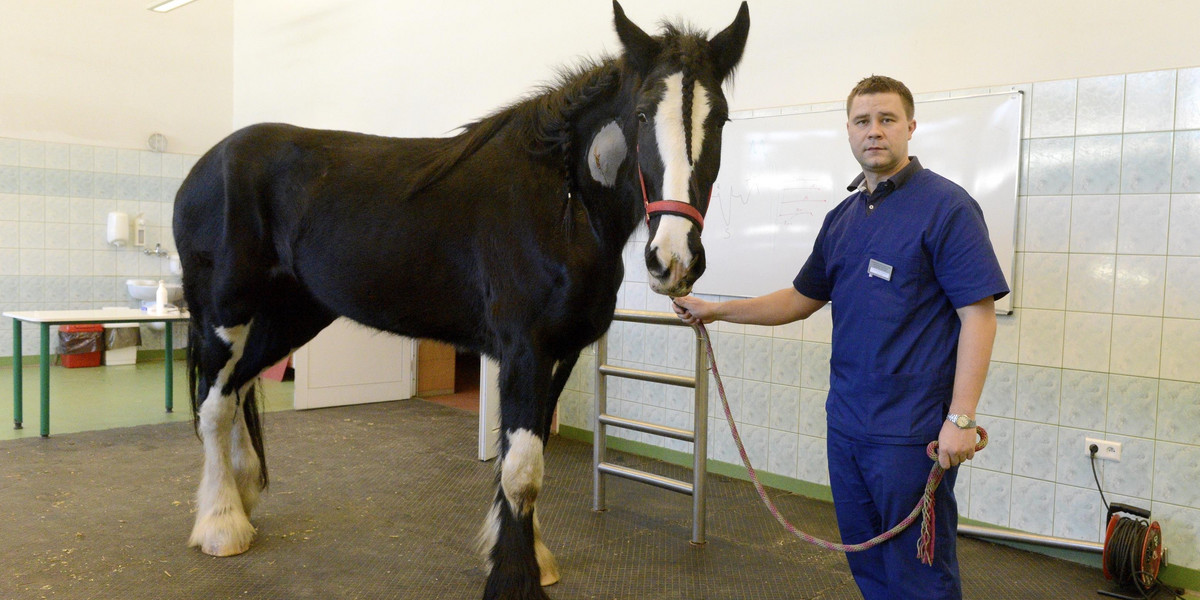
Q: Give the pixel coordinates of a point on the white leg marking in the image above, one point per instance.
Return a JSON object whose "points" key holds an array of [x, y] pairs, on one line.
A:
{"points": [[521, 472], [222, 527], [545, 560], [247, 468], [489, 535]]}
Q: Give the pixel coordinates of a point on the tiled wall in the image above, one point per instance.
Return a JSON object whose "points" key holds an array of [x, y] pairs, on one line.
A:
{"points": [[54, 204], [1103, 342]]}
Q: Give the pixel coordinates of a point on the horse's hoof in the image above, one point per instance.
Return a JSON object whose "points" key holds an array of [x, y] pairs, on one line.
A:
{"points": [[222, 536]]}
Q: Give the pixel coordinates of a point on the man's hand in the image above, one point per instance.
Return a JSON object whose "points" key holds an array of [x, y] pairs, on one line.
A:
{"points": [[693, 310], [955, 445]]}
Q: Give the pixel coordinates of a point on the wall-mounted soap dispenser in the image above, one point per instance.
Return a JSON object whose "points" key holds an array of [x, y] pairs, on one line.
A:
{"points": [[117, 232], [139, 230]]}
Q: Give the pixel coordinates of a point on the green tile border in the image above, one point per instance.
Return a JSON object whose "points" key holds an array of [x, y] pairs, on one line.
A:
{"points": [[1171, 575]]}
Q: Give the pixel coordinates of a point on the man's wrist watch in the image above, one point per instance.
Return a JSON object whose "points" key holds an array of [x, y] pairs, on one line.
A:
{"points": [[962, 421]]}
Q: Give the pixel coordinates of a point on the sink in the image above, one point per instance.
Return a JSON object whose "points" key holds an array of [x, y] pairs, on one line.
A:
{"points": [[146, 289]]}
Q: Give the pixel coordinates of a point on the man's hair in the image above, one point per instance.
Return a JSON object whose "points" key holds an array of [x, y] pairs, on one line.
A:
{"points": [[880, 84]]}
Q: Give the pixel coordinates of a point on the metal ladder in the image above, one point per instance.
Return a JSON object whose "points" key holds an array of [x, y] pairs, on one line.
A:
{"points": [[698, 436]]}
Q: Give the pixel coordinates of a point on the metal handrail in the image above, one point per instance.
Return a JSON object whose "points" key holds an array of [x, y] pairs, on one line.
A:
{"points": [[698, 436]]}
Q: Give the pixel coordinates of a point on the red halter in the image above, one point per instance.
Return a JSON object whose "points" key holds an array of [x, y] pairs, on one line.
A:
{"points": [[669, 207]]}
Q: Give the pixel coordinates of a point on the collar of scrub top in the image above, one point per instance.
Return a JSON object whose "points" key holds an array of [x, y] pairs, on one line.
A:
{"points": [[893, 183]]}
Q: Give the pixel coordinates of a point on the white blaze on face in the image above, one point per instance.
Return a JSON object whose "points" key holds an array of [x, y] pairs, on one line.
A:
{"points": [[669, 129]]}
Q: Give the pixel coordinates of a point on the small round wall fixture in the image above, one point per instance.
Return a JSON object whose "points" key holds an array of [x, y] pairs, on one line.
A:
{"points": [[157, 142]]}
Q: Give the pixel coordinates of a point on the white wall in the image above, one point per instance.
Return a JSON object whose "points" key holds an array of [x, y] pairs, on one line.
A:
{"points": [[424, 68], [111, 73]]}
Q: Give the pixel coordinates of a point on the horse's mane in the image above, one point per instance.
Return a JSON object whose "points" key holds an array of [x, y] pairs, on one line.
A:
{"points": [[544, 117]]}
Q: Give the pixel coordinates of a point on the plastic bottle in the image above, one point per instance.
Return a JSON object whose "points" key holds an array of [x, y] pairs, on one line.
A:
{"points": [[160, 298]]}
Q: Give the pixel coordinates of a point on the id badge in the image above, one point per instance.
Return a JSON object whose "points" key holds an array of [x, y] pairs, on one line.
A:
{"points": [[879, 269]]}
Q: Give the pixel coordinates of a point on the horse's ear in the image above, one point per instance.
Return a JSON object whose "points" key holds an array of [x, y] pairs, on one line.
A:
{"points": [[640, 48], [727, 46]]}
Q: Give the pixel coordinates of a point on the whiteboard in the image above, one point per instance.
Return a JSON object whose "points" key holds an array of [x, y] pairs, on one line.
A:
{"points": [[780, 175]]}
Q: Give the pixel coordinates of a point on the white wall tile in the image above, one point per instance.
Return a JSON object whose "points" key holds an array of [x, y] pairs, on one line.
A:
{"points": [[1075, 510], [1047, 221], [815, 374], [999, 397], [756, 363], [10, 152], [1041, 337], [991, 494], [1187, 103], [1034, 510], [1184, 225], [1053, 107], [1180, 347], [782, 453], [1086, 339], [1180, 529], [812, 459], [786, 361], [1143, 222], [1038, 393], [1186, 168], [1136, 345], [33, 153], [1182, 299], [1097, 168], [1146, 163], [1090, 281], [1178, 412], [1176, 471], [785, 408], [1044, 283], [1132, 406], [1150, 101], [1051, 161], [1139, 285], [1094, 223], [756, 403], [812, 413], [1084, 399], [998, 455], [1134, 475], [1100, 105]]}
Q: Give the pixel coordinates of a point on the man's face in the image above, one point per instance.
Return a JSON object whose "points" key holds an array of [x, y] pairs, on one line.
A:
{"points": [[879, 132]]}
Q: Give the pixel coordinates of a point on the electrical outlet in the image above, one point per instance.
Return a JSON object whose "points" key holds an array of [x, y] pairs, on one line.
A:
{"points": [[1108, 450]]}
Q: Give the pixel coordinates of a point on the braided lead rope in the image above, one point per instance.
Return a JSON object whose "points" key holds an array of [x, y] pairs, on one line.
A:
{"points": [[925, 507]]}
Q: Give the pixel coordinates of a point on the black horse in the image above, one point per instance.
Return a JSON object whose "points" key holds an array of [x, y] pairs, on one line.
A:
{"points": [[506, 239]]}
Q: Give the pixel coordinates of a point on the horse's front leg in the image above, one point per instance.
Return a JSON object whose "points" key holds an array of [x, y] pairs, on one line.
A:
{"points": [[519, 563]]}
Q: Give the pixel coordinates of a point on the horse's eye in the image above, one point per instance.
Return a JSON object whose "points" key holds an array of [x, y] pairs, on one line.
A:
{"points": [[642, 117]]}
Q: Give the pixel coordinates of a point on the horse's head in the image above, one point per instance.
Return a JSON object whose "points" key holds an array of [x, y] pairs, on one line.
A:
{"points": [[678, 116]]}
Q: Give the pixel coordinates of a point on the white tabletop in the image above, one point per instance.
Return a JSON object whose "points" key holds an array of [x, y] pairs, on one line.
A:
{"points": [[98, 315]]}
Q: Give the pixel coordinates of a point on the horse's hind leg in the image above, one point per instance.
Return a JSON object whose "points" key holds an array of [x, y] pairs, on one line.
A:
{"points": [[222, 526], [514, 552]]}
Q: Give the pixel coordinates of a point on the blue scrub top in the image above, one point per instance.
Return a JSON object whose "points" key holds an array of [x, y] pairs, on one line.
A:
{"points": [[896, 264]]}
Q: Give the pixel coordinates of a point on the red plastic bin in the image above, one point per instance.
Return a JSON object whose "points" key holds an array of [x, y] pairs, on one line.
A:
{"points": [[85, 359]]}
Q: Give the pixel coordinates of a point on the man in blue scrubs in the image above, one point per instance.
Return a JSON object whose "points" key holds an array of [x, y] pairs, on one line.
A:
{"points": [[913, 279]]}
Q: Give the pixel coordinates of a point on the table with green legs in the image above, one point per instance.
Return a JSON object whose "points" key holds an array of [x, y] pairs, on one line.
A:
{"points": [[47, 318]]}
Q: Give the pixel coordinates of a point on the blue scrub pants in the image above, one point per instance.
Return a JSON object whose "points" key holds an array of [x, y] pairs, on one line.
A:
{"points": [[874, 487]]}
